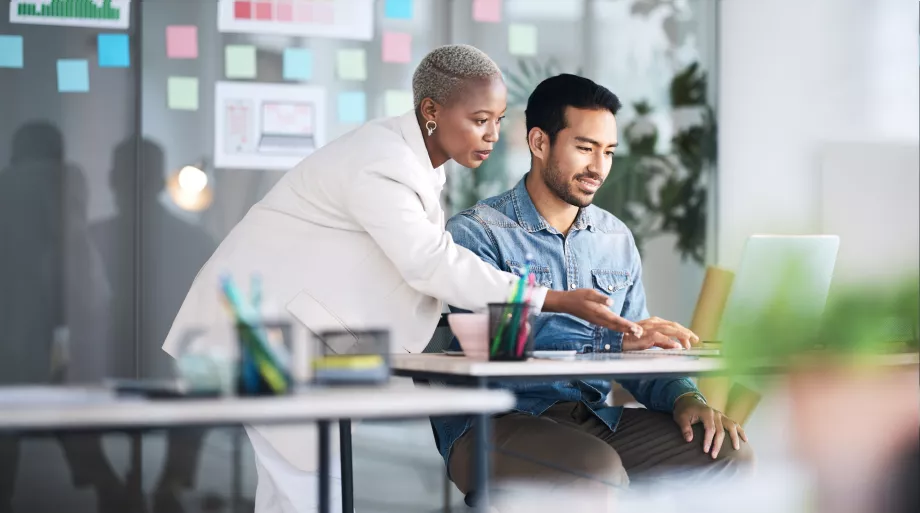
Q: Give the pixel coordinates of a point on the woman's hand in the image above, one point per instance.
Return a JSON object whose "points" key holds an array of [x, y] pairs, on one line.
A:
{"points": [[590, 305]]}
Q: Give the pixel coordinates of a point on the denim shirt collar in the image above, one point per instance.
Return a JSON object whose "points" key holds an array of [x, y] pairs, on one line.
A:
{"points": [[531, 220]]}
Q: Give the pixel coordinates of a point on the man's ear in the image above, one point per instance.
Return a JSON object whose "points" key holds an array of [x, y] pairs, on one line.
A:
{"points": [[430, 109], [538, 141]]}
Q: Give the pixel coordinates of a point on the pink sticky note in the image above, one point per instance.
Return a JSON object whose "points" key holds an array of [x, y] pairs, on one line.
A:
{"points": [[488, 11], [397, 47], [285, 10], [182, 42]]}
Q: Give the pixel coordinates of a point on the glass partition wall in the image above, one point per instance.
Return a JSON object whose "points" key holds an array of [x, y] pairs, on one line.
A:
{"points": [[99, 248]]}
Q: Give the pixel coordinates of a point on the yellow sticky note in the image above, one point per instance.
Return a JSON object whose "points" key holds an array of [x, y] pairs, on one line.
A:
{"points": [[352, 64], [240, 61], [182, 93], [522, 39], [397, 102]]}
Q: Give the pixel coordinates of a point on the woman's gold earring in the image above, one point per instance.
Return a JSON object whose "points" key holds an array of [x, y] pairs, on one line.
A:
{"points": [[431, 126]]}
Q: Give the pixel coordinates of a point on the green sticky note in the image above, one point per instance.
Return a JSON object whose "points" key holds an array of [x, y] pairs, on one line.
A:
{"points": [[240, 61], [522, 39], [352, 64], [182, 93], [396, 102]]}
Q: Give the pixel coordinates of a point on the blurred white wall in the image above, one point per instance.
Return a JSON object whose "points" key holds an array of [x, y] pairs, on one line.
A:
{"points": [[870, 196], [797, 81]]}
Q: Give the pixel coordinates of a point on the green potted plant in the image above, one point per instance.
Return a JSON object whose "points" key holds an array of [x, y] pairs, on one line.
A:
{"points": [[851, 377]]}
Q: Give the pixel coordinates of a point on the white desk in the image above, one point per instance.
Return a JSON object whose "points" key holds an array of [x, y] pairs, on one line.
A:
{"points": [[52, 409], [105, 411], [459, 368]]}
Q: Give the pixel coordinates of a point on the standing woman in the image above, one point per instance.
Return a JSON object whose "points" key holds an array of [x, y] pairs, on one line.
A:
{"points": [[354, 237]]}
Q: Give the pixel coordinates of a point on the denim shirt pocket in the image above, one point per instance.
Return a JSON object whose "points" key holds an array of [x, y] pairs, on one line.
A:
{"points": [[541, 273], [609, 281], [614, 283]]}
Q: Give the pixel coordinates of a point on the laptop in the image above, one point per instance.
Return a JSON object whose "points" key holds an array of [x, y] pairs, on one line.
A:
{"points": [[763, 279]]}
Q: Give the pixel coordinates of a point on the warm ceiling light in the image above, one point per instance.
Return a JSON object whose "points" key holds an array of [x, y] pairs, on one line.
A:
{"points": [[190, 189], [191, 179]]}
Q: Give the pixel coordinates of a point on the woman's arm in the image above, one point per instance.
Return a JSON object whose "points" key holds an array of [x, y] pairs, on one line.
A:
{"points": [[428, 259], [423, 252]]}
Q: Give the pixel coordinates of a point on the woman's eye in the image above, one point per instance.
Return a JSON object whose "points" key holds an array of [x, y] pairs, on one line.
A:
{"points": [[481, 121]]}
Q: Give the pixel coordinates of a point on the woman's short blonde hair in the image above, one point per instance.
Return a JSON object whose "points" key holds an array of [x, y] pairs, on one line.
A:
{"points": [[446, 68]]}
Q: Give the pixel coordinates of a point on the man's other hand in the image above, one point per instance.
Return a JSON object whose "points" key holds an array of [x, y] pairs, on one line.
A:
{"points": [[689, 410]]}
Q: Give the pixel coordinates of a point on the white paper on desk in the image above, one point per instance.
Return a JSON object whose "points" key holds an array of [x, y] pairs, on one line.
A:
{"points": [[43, 395]]}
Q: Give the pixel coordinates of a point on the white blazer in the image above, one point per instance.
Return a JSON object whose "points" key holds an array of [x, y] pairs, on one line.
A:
{"points": [[353, 237]]}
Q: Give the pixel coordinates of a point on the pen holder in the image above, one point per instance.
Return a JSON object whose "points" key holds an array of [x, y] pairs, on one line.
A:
{"points": [[510, 331], [264, 365]]}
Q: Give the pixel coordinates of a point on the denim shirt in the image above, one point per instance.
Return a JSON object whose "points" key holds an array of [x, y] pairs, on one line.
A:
{"points": [[599, 252]]}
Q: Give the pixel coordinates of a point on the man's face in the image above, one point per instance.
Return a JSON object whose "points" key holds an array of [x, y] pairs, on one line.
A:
{"points": [[579, 159]]}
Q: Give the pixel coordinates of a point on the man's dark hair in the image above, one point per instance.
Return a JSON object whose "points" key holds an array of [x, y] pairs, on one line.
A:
{"points": [[546, 105]]}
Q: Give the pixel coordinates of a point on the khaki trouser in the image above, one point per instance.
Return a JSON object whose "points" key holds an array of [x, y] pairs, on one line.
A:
{"points": [[568, 446]]}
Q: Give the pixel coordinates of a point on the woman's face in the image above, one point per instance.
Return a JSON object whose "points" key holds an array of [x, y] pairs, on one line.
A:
{"points": [[468, 127]]}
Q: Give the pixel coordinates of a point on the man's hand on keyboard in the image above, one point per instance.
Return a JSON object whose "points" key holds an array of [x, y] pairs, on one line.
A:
{"points": [[660, 333]]}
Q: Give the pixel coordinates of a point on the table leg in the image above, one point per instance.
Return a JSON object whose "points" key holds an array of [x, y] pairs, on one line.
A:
{"points": [[134, 480], [324, 460], [237, 483], [482, 432], [348, 484]]}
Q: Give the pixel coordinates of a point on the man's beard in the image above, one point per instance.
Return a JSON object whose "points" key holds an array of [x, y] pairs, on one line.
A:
{"points": [[563, 189]]}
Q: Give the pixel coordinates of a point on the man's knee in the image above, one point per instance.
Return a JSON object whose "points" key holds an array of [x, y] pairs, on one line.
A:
{"points": [[573, 459], [602, 464], [742, 457]]}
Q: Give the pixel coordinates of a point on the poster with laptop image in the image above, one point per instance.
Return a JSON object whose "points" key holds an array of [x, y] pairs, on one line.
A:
{"points": [[267, 126]]}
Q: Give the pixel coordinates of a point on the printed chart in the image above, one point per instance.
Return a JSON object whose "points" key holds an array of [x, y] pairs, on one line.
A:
{"points": [[267, 126], [343, 19], [113, 14]]}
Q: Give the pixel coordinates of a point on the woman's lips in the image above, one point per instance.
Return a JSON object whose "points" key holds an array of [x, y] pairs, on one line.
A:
{"points": [[482, 155]]}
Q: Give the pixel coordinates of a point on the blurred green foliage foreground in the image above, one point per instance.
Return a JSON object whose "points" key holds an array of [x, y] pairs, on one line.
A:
{"points": [[858, 323]]}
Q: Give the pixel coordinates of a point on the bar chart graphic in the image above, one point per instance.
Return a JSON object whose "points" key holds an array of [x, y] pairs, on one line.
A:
{"points": [[74, 13]]}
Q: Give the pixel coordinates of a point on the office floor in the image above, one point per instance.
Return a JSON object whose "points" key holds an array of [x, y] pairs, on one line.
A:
{"points": [[397, 469]]}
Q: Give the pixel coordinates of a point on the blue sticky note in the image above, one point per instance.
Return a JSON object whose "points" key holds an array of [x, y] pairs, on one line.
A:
{"points": [[10, 51], [298, 64], [73, 76], [352, 107], [398, 9], [113, 51]]}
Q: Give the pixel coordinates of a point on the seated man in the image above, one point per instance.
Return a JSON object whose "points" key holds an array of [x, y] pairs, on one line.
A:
{"points": [[563, 432]]}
